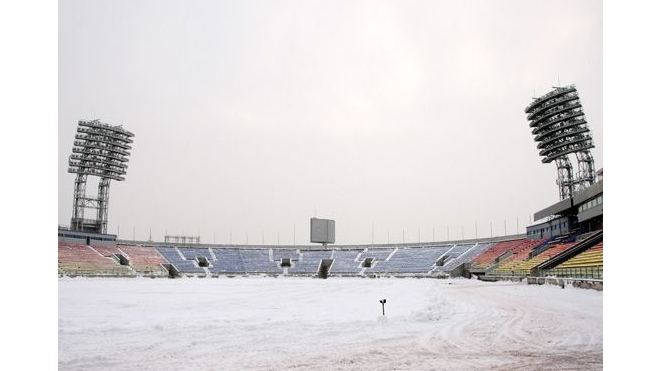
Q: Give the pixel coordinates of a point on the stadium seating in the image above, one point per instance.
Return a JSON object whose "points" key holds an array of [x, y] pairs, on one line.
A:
{"points": [[145, 260], [453, 258], [345, 262], [309, 262], [192, 253], [411, 260], [521, 253], [490, 256], [278, 254], [372, 258], [375, 254], [523, 267], [459, 257], [229, 261], [258, 261], [183, 265], [107, 250], [588, 264], [83, 260], [515, 257], [589, 258]]}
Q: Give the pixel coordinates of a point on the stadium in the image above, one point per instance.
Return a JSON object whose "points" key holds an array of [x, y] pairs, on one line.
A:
{"points": [[563, 250], [566, 245], [330, 185]]}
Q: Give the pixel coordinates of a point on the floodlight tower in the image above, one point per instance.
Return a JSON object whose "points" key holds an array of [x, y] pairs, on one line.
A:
{"points": [[560, 128], [99, 150]]}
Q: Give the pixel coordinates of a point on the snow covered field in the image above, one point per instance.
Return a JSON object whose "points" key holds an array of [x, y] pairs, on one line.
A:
{"points": [[335, 324]]}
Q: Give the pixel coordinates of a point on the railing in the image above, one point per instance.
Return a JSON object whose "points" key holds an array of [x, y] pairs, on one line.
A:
{"points": [[123, 138], [557, 91], [98, 123], [552, 102], [94, 151], [595, 272], [559, 119], [72, 271], [569, 128], [577, 272], [85, 221], [513, 273], [100, 145], [555, 110], [88, 139]]}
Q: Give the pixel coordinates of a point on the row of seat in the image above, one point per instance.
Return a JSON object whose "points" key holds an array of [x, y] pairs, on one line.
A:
{"points": [[514, 259], [523, 267], [499, 249], [78, 259], [587, 264], [505, 257], [521, 257], [589, 258], [145, 260], [149, 260]]}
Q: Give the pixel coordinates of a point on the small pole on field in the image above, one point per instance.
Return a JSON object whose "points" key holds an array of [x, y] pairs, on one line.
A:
{"points": [[382, 302]]}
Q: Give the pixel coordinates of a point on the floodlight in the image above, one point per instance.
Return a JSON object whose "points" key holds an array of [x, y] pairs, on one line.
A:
{"points": [[560, 128], [99, 150]]}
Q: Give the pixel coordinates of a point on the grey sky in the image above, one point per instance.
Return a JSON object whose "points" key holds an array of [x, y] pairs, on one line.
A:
{"points": [[252, 116]]}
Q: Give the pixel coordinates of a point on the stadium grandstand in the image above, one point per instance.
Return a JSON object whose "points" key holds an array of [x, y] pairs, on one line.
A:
{"points": [[566, 242], [571, 256]]}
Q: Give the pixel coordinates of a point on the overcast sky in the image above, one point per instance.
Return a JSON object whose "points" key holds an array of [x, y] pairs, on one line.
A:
{"points": [[397, 117]]}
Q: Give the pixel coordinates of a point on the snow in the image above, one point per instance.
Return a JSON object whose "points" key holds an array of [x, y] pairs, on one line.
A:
{"points": [[259, 323]]}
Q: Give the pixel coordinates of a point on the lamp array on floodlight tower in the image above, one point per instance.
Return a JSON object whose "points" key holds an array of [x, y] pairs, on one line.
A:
{"points": [[99, 150], [560, 128]]}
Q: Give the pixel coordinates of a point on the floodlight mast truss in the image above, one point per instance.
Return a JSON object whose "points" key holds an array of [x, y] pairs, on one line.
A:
{"points": [[564, 176], [99, 150], [560, 128]]}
